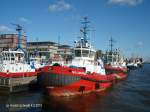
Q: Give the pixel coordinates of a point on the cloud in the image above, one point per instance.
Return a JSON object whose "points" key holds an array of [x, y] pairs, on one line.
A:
{"points": [[24, 20], [125, 2], [60, 5], [139, 44], [5, 29]]}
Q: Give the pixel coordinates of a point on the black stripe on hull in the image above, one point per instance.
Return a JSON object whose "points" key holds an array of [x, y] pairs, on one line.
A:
{"points": [[51, 79]]}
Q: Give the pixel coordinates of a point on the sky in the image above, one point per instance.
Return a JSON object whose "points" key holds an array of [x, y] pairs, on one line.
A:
{"points": [[126, 21]]}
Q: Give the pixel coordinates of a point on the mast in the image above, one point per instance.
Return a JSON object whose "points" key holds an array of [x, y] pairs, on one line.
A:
{"points": [[111, 44], [84, 30], [111, 41], [37, 48]]}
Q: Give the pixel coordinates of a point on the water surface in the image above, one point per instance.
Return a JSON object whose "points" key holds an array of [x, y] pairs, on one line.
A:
{"points": [[130, 95]]}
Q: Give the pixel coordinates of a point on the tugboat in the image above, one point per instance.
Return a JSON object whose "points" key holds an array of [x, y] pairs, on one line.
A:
{"points": [[84, 74], [15, 73], [114, 61]]}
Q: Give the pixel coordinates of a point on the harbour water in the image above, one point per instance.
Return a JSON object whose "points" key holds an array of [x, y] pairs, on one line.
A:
{"points": [[130, 95]]}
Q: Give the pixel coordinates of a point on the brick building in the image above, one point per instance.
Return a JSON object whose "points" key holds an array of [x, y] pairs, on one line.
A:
{"points": [[10, 41]]}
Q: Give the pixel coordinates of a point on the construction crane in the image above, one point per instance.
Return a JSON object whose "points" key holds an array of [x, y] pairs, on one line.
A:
{"points": [[19, 30]]}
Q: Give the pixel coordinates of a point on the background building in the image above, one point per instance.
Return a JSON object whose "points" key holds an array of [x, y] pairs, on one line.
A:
{"points": [[48, 50], [10, 41], [45, 49], [65, 51]]}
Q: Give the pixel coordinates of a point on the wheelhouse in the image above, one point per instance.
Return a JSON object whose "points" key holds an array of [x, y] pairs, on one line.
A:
{"points": [[11, 56], [84, 52]]}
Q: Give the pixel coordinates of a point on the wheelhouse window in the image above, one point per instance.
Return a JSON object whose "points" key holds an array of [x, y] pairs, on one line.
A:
{"points": [[109, 58], [7, 56], [19, 55], [85, 53], [78, 53]]}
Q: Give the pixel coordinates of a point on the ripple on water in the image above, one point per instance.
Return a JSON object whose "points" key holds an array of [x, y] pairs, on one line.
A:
{"points": [[130, 95]]}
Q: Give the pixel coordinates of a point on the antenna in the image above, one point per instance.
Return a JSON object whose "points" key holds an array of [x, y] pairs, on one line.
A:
{"points": [[84, 30], [85, 26], [37, 50], [112, 41]]}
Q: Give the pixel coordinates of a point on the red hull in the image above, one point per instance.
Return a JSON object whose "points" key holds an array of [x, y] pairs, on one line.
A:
{"points": [[87, 84], [17, 75], [78, 88], [108, 67]]}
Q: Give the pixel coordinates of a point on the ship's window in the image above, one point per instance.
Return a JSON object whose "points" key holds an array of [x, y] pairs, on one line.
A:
{"points": [[109, 58], [8, 56], [78, 53], [85, 53], [12, 56]]}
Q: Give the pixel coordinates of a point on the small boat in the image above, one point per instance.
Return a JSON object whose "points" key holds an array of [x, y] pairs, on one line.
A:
{"points": [[134, 63], [83, 75]]}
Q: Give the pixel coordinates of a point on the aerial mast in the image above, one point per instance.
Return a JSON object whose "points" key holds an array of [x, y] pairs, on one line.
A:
{"points": [[111, 41], [111, 44], [84, 30], [37, 48]]}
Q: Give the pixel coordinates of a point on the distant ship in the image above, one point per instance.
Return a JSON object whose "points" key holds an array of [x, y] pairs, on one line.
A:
{"points": [[134, 63], [83, 75]]}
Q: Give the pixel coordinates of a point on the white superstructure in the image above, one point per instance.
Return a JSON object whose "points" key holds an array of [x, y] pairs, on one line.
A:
{"points": [[14, 62], [84, 54], [85, 57]]}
